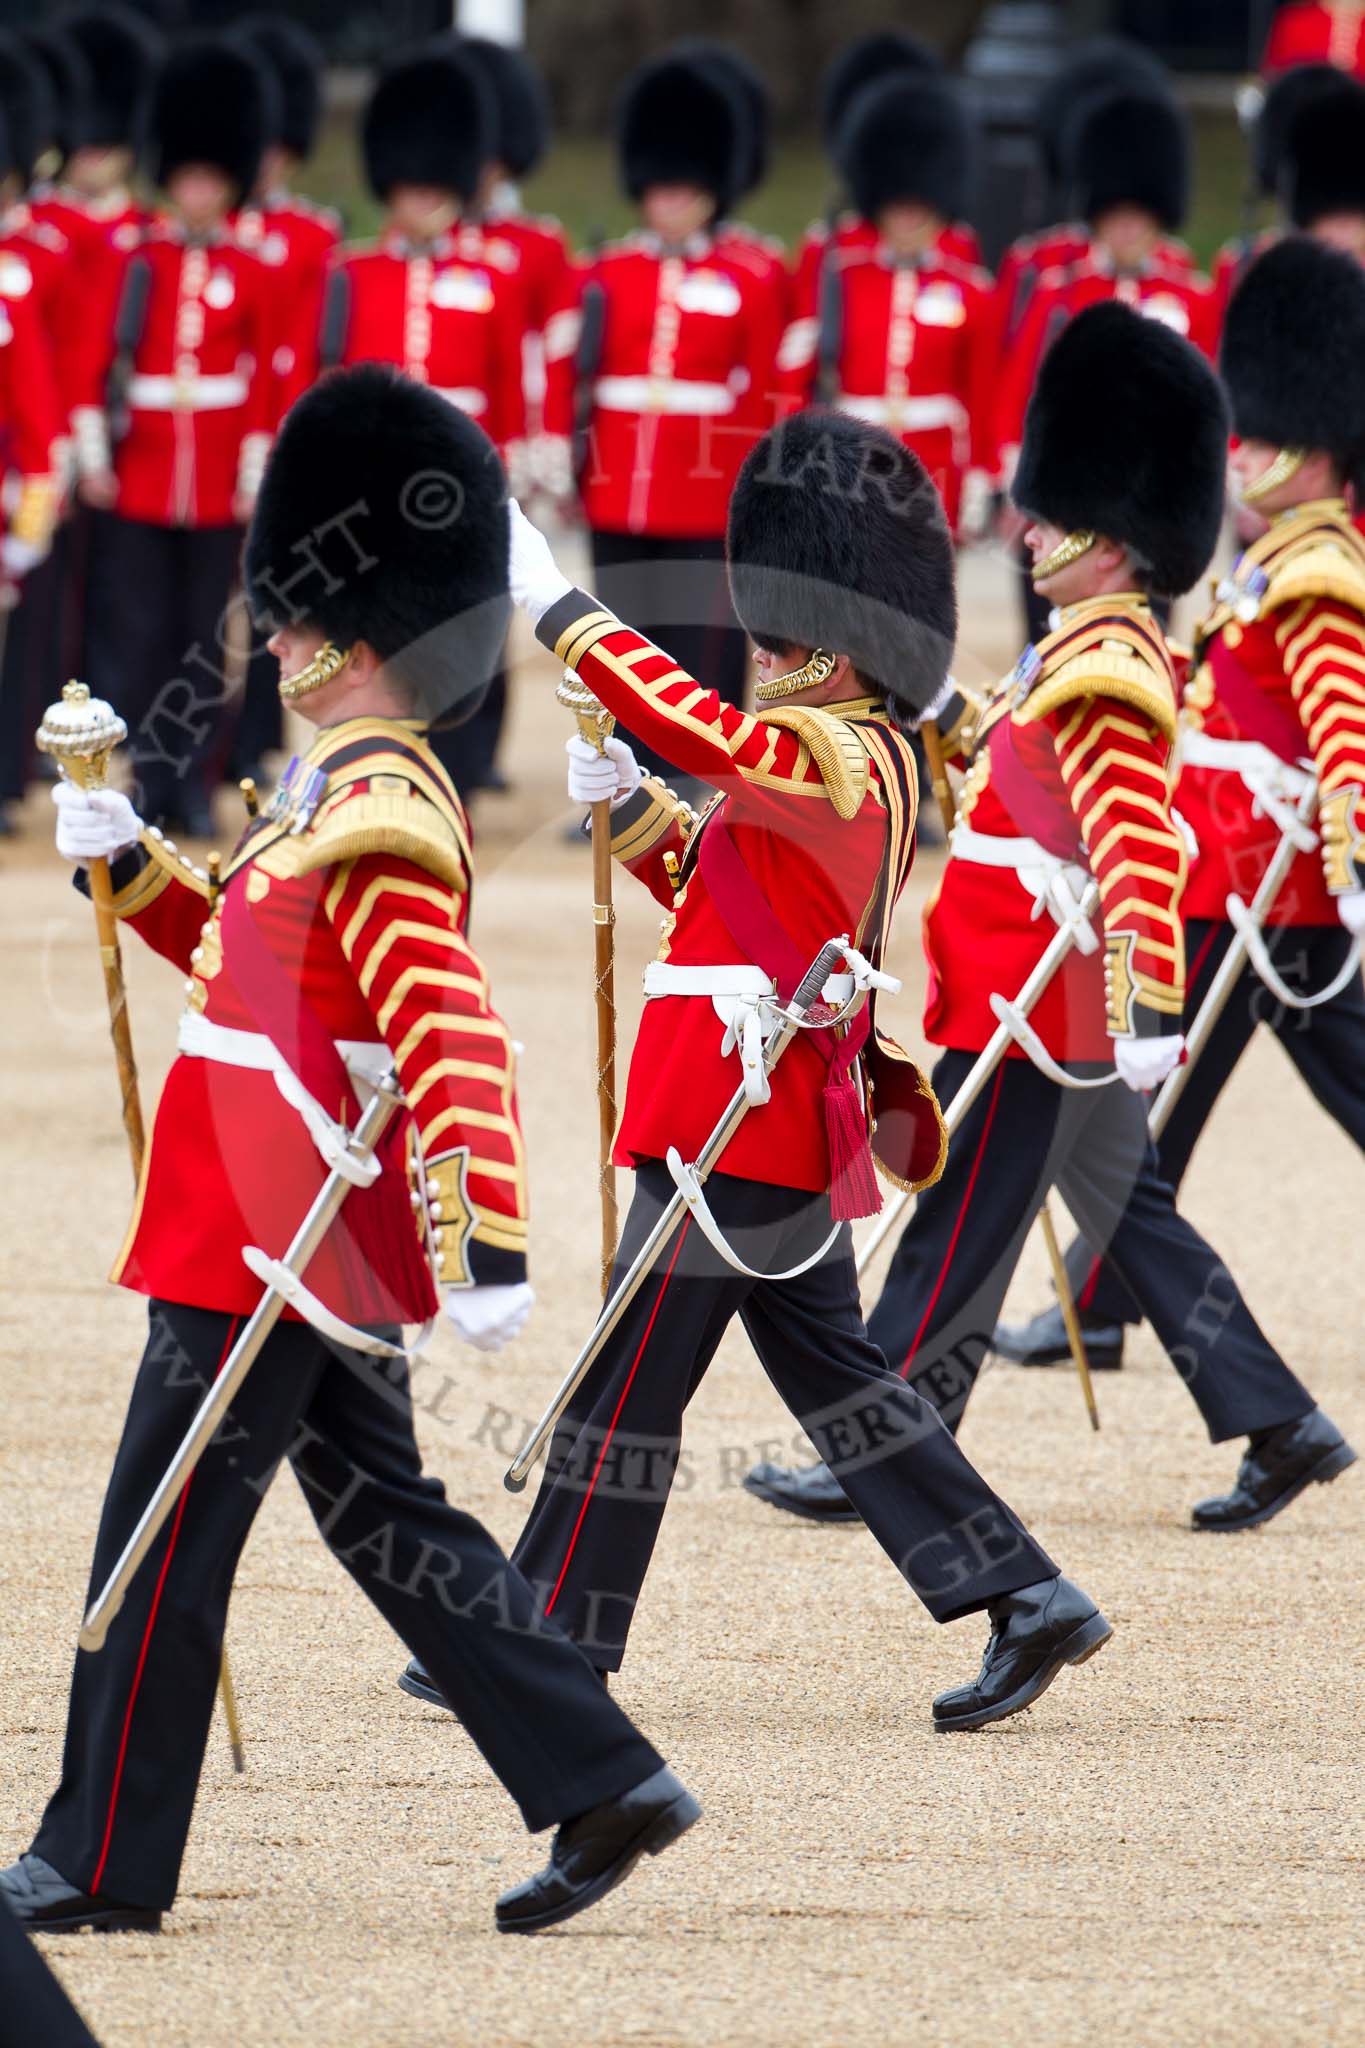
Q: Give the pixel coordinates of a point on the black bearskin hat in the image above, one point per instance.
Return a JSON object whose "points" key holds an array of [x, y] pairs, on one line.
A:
{"points": [[1102, 64], [28, 105], [70, 81], [744, 77], [431, 120], [1293, 354], [382, 517], [1286, 98], [1324, 158], [907, 138], [521, 128], [213, 103], [1130, 148], [295, 57], [680, 123], [1127, 434], [837, 539], [123, 52], [866, 61]]}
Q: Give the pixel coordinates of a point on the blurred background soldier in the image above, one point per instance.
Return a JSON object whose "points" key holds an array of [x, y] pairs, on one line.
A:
{"points": [[667, 380], [433, 295], [95, 205], [896, 330], [173, 421], [293, 236]]}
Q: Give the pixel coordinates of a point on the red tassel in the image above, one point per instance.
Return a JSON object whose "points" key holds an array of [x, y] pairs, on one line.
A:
{"points": [[376, 1239], [853, 1190]]}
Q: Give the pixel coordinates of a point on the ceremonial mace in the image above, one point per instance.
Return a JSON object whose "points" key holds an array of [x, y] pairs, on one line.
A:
{"points": [[80, 733], [1061, 1279], [595, 725]]}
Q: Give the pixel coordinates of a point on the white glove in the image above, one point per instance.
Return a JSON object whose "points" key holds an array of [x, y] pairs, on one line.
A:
{"points": [[489, 1317], [933, 711], [535, 581], [93, 824], [596, 778], [1351, 910], [974, 508], [17, 556], [1144, 1063]]}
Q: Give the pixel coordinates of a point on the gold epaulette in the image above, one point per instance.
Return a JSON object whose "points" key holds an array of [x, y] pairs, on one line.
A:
{"points": [[837, 751], [392, 816], [1323, 565], [1113, 665], [163, 866]]}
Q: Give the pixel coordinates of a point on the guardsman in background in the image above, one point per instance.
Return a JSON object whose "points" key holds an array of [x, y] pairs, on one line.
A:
{"points": [[294, 238], [1324, 169], [336, 949], [1122, 476], [34, 318], [94, 204], [667, 380], [433, 295], [756, 150], [867, 60], [848, 593], [172, 429], [1277, 681], [1102, 64], [1129, 153], [898, 332], [1270, 139]]}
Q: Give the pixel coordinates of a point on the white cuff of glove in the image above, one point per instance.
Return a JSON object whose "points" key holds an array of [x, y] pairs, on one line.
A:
{"points": [[17, 556], [610, 777], [93, 824], [534, 579], [1351, 910], [1144, 1063], [489, 1317], [936, 706]]}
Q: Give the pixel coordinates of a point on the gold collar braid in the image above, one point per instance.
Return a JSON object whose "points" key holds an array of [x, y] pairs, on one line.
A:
{"points": [[328, 662]]}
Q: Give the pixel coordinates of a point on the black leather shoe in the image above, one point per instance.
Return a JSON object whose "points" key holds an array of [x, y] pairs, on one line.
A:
{"points": [[418, 1682], [41, 1898], [811, 1491], [1043, 1341], [1034, 1633], [598, 1851], [1276, 1470]]}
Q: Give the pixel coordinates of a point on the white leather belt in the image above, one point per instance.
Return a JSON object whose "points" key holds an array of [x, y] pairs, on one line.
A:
{"points": [[909, 414], [186, 394], [1055, 885], [365, 1062], [744, 999], [662, 394], [1276, 786], [464, 396]]}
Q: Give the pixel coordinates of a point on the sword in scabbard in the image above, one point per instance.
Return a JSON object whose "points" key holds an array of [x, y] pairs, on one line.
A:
{"points": [[1234, 960], [986, 1062], [795, 1016], [374, 1120]]}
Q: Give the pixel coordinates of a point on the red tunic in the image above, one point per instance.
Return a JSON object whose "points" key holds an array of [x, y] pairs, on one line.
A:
{"points": [[851, 231], [32, 419], [368, 911], [1307, 33], [1060, 247], [294, 240], [1304, 654], [1093, 730], [1178, 299], [451, 314], [816, 819], [37, 263], [199, 397], [917, 354], [683, 385]]}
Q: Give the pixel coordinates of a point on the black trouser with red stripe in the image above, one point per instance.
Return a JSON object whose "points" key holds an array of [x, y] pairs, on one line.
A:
{"points": [[592, 1531], [141, 1707], [1327, 1046], [1022, 1136]]}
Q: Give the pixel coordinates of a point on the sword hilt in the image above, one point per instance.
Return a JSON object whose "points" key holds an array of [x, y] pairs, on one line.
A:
{"points": [[825, 963]]}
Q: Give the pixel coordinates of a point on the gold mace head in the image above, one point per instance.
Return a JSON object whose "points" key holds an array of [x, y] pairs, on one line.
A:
{"points": [[595, 723], [80, 733]]}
